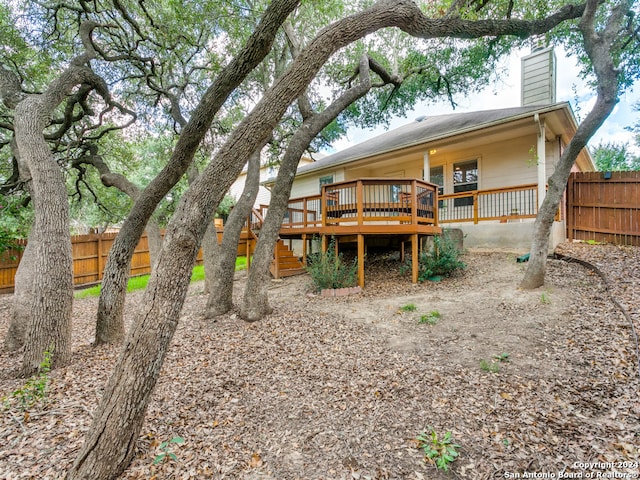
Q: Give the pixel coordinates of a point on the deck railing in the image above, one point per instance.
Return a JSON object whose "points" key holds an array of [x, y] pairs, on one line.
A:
{"points": [[365, 201], [410, 201], [498, 204]]}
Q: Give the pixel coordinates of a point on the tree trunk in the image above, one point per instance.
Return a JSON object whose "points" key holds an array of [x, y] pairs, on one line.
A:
{"points": [[52, 282], [22, 295], [109, 322], [154, 237], [23, 281], [599, 46], [221, 295], [210, 249], [256, 301], [110, 441]]}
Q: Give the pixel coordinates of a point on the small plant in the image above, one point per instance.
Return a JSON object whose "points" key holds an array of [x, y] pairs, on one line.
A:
{"points": [[329, 270], [166, 452], [545, 298], [441, 452], [35, 389], [409, 307], [430, 318], [503, 357], [442, 260], [489, 366]]}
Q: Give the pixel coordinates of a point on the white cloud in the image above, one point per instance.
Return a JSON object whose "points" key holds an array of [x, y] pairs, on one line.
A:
{"points": [[506, 93]]}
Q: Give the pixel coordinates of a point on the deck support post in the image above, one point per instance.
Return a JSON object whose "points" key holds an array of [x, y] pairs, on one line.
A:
{"points": [[248, 251], [324, 244], [304, 248], [414, 258], [276, 257], [361, 260], [402, 251]]}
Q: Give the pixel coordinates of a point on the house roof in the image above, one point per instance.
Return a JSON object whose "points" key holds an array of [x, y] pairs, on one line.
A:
{"points": [[433, 128]]}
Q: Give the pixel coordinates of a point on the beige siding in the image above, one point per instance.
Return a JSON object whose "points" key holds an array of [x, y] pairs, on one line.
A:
{"points": [[503, 164], [538, 78], [264, 195], [310, 184], [553, 155], [305, 186]]}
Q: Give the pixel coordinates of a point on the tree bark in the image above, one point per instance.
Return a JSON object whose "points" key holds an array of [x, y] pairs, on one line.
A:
{"points": [[221, 295], [111, 303], [256, 300], [210, 249], [110, 441], [154, 239], [599, 47], [23, 281], [52, 282], [22, 295]]}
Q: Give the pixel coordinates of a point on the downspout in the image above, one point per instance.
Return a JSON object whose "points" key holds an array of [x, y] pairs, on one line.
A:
{"points": [[541, 159]]}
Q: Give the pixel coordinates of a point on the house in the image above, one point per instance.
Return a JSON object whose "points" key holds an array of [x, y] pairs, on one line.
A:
{"points": [[267, 171], [483, 172]]}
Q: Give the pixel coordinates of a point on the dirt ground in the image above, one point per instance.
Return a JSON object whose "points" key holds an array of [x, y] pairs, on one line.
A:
{"points": [[339, 388]]}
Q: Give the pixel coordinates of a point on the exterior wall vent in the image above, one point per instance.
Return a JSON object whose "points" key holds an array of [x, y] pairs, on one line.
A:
{"points": [[539, 77]]}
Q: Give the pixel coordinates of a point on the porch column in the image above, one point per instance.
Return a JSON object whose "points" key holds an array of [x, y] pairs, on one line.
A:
{"points": [[542, 160], [426, 167]]}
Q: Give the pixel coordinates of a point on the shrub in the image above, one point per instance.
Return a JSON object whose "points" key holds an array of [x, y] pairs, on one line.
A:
{"points": [[441, 452], [35, 389], [442, 260], [329, 270], [489, 366], [409, 307], [430, 318]]}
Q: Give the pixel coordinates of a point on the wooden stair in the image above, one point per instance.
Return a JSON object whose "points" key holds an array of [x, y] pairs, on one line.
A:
{"points": [[285, 263]]}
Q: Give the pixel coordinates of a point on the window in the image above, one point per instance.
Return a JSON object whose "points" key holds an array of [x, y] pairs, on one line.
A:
{"points": [[436, 175], [326, 180], [465, 179]]}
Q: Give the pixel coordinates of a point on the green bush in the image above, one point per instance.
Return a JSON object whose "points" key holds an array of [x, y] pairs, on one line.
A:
{"points": [[442, 260], [329, 270], [441, 452]]}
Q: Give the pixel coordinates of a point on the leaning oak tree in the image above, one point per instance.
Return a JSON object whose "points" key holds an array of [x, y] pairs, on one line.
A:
{"points": [[51, 288], [255, 302], [611, 42], [110, 441], [110, 323]]}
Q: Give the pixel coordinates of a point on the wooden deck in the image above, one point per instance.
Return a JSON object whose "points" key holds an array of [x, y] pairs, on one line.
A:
{"points": [[406, 209], [351, 211]]}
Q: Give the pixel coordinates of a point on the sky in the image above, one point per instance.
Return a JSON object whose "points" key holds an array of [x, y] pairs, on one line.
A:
{"points": [[506, 94]]}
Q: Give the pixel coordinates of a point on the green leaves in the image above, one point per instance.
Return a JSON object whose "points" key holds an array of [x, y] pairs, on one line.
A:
{"points": [[15, 222], [329, 270], [165, 449], [612, 157], [441, 452]]}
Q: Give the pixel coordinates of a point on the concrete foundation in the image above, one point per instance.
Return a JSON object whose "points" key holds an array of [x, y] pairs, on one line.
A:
{"points": [[516, 235]]}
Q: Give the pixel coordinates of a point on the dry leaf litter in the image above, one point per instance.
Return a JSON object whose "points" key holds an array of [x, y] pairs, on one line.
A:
{"points": [[339, 388]]}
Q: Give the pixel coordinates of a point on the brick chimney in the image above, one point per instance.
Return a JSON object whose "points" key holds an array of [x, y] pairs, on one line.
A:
{"points": [[539, 77]]}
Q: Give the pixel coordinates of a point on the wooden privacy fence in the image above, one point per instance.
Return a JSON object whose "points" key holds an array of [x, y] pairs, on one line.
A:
{"points": [[604, 207], [89, 257]]}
